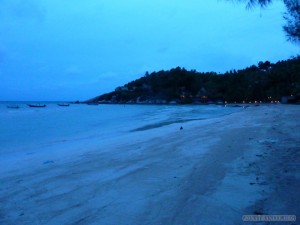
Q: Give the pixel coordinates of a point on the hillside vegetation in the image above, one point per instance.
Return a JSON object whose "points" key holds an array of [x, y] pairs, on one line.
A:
{"points": [[264, 82]]}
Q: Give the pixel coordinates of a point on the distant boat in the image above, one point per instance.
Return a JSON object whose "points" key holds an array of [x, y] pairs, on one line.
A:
{"points": [[63, 104], [37, 105], [13, 106]]}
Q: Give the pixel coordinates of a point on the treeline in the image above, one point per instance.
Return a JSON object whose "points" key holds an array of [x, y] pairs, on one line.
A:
{"points": [[263, 82]]}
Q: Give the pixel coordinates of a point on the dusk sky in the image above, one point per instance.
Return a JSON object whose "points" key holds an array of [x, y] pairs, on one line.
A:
{"points": [[75, 50]]}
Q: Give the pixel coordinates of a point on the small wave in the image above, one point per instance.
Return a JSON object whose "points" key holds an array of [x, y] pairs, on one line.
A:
{"points": [[162, 124]]}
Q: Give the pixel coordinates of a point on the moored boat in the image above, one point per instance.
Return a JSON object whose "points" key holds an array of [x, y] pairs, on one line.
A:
{"points": [[37, 105], [63, 104], [13, 106]]}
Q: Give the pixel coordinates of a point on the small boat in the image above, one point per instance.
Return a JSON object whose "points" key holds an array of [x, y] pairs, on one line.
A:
{"points": [[13, 106], [63, 104], [37, 105]]}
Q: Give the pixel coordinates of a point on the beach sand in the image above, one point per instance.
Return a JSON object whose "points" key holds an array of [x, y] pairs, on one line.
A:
{"points": [[212, 171]]}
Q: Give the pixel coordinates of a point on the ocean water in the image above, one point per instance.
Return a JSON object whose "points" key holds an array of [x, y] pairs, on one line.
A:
{"points": [[26, 129]]}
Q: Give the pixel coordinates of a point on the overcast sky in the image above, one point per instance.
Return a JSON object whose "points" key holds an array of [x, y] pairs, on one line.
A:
{"points": [[75, 49]]}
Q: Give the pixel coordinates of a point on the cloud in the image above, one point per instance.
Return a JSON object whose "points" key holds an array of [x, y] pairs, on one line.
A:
{"points": [[22, 9], [2, 55], [73, 71], [108, 75]]}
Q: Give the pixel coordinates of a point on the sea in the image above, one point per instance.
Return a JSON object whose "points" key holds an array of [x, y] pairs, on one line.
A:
{"points": [[25, 130]]}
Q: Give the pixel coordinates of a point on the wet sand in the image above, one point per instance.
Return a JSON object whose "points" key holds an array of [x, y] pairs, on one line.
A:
{"points": [[213, 171]]}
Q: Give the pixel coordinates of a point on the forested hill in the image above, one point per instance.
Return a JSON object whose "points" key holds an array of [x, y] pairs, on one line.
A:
{"points": [[265, 82]]}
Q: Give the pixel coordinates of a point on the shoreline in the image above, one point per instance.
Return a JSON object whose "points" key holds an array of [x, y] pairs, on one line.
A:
{"points": [[213, 171]]}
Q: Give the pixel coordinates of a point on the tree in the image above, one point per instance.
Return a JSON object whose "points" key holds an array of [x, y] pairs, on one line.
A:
{"points": [[292, 28], [292, 16], [262, 3], [264, 65]]}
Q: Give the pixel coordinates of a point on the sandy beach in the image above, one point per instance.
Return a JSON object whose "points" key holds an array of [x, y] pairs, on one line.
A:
{"points": [[212, 171]]}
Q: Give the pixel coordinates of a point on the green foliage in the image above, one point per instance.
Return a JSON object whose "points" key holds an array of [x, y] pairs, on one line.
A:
{"points": [[292, 16], [255, 83]]}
